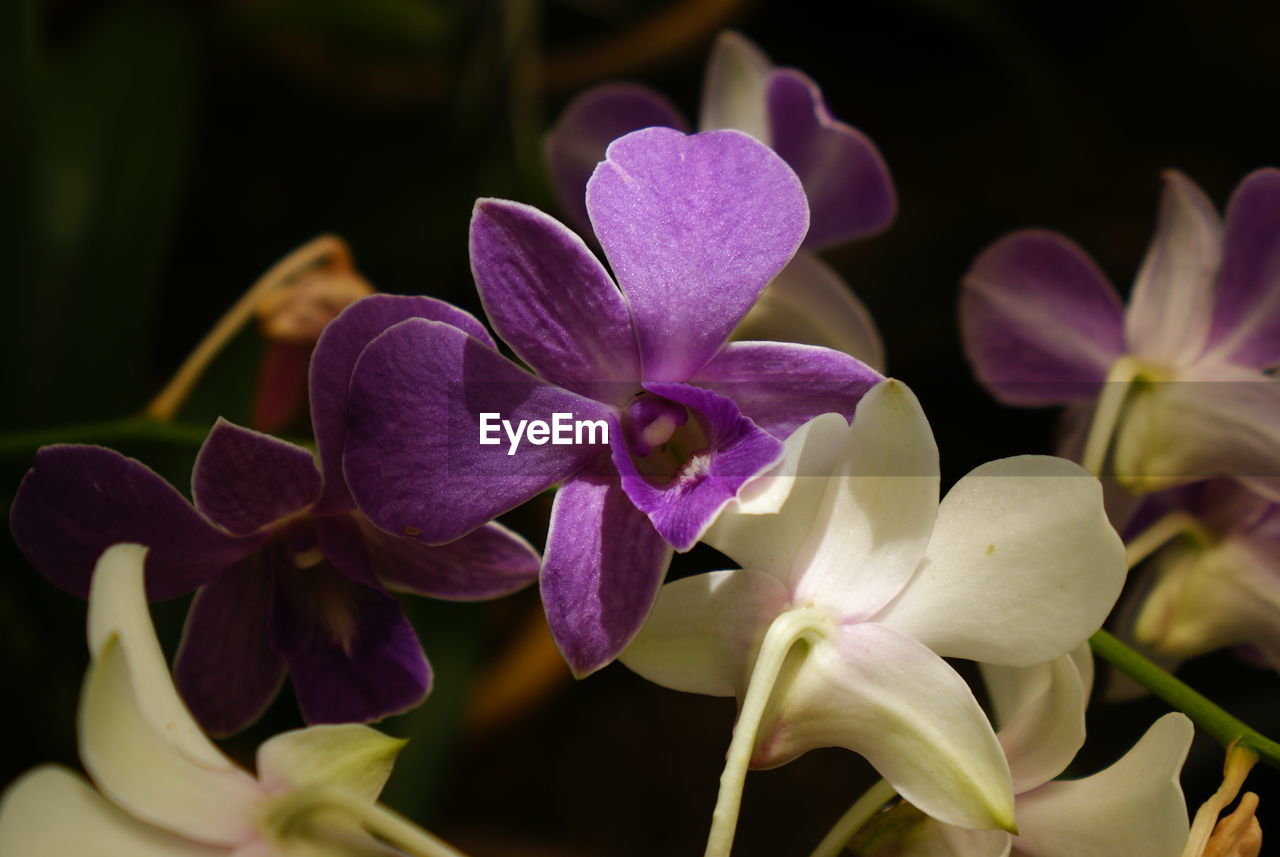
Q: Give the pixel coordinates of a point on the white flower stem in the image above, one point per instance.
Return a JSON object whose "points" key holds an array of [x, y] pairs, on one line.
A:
{"points": [[851, 822], [1110, 402], [1163, 530], [788, 629], [289, 817]]}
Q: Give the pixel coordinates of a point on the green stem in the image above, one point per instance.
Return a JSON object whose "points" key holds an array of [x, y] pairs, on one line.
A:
{"points": [[1226, 729], [290, 815], [106, 432], [851, 822]]}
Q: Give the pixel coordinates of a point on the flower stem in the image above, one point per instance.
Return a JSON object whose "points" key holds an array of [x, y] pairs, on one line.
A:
{"points": [[788, 629], [1226, 729], [1163, 530], [1114, 391], [290, 816], [107, 432], [851, 822]]}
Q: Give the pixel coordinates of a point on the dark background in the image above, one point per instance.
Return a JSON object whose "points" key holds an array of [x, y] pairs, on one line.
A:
{"points": [[158, 157]]}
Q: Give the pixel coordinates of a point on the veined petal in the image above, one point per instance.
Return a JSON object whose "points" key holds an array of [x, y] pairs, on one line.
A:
{"points": [[808, 302], [879, 509], [887, 697], [1040, 322], [145, 772], [552, 301], [413, 458], [603, 566], [226, 669], [245, 481], [733, 88], [1169, 312], [845, 178], [77, 501], [1023, 565], [51, 812], [754, 529], [705, 630], [1134, 808], [693, 227], [586, 127], [1246, 315], [1212, 420], [736, 452], [118, 611], [1040, 712], [334, 359], [348, 755], [780, 386]]}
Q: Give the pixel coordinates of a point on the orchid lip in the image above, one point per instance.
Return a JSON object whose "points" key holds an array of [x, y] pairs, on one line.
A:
{"points": [[666, 445]]}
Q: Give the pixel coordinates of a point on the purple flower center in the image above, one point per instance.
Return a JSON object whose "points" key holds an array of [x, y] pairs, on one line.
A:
{"points": [[662, 439]]}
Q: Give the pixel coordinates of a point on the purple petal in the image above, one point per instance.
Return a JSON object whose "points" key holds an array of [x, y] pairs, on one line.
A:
{"points": [[844, 176], [245, 480], [1246, 318], [736, 451], [352, 654], [77, 501], [593, 120], [1041, 324], [552, 301], [413, 458], [226, 670], [781, 385], [334, 358], [603, 566], [486, 563], [693, 227]]}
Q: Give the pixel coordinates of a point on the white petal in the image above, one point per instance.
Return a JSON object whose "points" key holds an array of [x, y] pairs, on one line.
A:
{"points": [[1023, 565], [1134, 808], [887, 697], [752, 529], [1172, 304], [933, 838], [348, 755], [704, 631], [148, 775], [733, 91], [1040, 712], [51, 812], [808, 302], [875, 520], [118, 608]]}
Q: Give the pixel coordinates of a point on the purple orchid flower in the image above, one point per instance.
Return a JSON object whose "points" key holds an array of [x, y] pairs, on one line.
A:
{"points": [[289, 577], [845, 178], [693, 227], [1178, 387]]}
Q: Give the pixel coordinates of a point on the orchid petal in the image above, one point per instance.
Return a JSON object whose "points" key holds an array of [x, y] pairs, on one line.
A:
{"points": [[752, 529], [733, 89], [51, 812], [808, 302], [334, 359], [844, 176], [353, 757], [1213, 420], [736, 452], [1246, 317], [226, 669], [932, 838], [879, 508], [705, 630], [1023, 565], [413, 459], [871, 690], [245, 481], [76, 501], [1134, 808], [551, 300], [694, 228], [1169, 312], [586, 127], [603, 566], [1041, 324], [781, 385], [1040, 711]]}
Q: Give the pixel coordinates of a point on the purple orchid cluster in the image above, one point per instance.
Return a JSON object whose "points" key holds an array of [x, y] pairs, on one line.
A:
{"points": [[706, 377]]}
